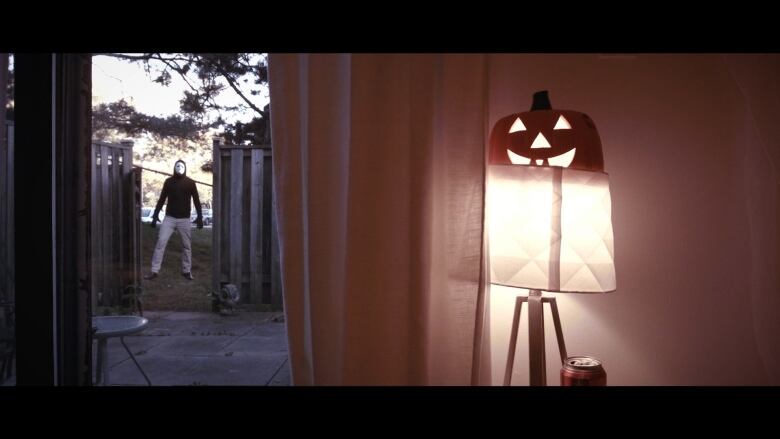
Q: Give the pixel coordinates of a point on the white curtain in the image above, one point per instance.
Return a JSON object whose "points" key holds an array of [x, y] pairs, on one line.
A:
{"points": [[379, 176], [379, 182]]}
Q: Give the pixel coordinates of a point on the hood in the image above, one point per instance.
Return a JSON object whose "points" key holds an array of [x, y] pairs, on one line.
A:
{"points": [[174, 169]]}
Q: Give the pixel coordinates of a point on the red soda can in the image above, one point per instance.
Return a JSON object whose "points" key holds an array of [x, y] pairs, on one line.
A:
{"points": [[583, 371]]}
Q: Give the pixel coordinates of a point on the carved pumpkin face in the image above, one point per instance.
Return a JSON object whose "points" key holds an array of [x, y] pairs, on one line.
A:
{"points": [[547, 137]]}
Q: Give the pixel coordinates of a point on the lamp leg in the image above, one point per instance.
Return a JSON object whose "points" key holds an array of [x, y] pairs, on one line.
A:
{"points": [[537, 369], [558, 330], [510, 359]]}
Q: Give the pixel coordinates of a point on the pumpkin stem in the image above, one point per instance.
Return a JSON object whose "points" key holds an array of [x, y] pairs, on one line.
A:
{"points": [[541, 101]]}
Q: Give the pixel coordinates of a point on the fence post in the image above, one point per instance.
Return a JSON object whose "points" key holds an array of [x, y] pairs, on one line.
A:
{"points": [[126, 215], [216, 215], [128, 239], [10, 216], [5, 231], [96, 231], [6, 196]]}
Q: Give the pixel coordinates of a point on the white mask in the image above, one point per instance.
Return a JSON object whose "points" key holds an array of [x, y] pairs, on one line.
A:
{"points": [[179, 168]]}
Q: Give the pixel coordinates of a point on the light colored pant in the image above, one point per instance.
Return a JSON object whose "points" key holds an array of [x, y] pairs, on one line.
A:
{"points": [[184, 227]]}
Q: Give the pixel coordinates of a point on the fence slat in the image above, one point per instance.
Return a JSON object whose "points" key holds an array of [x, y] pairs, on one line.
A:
{"points": [[7, 211], [4, 231], [267, 226], [128, 217], [120, 222], [138, 193], [276, 281], [10, 220], [105, 201], [224, 229], [236, 211], [4, 196], [256, 227], [94, 194]]}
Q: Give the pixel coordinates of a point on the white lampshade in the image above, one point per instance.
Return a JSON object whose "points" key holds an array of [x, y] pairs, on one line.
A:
{"points": [[550, 229]]}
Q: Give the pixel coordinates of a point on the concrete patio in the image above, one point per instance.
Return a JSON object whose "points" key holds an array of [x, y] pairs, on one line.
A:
{"points": [[195, 348]]}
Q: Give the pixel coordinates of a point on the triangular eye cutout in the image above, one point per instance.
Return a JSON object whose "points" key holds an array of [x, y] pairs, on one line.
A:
{"points": [[562, 124], [517, 126]]}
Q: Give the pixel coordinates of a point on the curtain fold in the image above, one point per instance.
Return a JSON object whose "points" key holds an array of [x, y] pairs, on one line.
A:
{"points": [[378, 174]]}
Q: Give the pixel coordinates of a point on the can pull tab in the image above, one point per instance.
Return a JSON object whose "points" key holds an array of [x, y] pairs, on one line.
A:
{"points": [[583, 362]]}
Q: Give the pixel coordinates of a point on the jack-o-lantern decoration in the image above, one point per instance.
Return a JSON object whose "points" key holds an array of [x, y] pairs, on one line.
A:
{"points": [[547, 137]]}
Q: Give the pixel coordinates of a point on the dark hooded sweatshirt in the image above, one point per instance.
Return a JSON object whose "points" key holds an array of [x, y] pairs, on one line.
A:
{"points": [[178, 190]]}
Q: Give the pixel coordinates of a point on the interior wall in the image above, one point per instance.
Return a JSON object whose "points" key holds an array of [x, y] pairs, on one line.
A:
{"points": [[691, 145]]}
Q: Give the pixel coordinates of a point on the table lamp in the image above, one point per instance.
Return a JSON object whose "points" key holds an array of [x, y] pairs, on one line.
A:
{"points": [[548, 213]]}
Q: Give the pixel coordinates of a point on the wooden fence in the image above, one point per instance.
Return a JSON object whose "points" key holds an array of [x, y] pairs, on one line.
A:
{"points": [[245, 247], [244, 233], [116, 222], [7, 284]]}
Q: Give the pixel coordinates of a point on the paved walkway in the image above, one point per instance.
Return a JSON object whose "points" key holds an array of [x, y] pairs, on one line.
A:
{"points": [[189, 348]]}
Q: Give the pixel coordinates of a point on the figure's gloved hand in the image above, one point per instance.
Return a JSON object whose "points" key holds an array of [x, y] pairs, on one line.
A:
{"points": [[155, 220], [199, 222]]}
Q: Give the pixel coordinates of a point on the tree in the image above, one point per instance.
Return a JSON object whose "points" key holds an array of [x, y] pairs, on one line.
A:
{"points": [[123, 117], [206, 75]]}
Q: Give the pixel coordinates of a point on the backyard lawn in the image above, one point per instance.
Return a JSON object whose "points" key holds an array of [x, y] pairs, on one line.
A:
{"points": [[171, 291]]}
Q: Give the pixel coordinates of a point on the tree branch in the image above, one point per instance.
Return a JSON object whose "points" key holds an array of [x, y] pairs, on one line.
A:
{"points": [[238, 91]]}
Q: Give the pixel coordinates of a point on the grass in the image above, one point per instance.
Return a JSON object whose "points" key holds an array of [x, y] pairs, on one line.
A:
{"points": [[171, 291]]}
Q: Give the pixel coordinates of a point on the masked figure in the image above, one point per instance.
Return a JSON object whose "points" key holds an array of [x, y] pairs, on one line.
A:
{"points": [[178, 190]]}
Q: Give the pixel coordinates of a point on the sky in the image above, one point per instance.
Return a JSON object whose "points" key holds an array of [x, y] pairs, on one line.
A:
{"points": [[114, 79]]}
